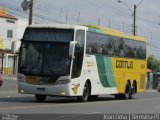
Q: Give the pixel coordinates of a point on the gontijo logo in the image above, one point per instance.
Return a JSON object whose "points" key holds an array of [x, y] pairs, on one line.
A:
{"points": [[124, 64]]}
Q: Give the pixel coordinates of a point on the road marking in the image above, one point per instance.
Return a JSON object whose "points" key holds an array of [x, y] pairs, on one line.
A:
{"points": [[74, 104], [2, 92], [157, 106], [94, 113], [150, 91], [75, 115]]}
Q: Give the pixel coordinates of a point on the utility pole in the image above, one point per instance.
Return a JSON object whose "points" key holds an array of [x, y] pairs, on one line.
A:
{"points": [[99, 21], [109, 23], [30, 12], [123, 27], [28, 5], [79, 14], [61, 13], [67, 16], [133, 14], [134, 20]]}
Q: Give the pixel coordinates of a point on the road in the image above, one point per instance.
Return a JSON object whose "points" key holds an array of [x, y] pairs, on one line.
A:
{"points": [[12, 102]]}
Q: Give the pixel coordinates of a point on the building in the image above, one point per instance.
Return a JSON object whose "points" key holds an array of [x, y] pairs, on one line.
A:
{"points": [[11, 29]]}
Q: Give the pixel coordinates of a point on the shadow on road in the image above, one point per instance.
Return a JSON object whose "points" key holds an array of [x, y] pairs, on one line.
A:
{"points": [[17, 99], [31, 99]]}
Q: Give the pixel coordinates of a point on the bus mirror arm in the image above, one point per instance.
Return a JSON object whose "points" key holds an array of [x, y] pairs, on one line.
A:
{"points": [[71, 49]]}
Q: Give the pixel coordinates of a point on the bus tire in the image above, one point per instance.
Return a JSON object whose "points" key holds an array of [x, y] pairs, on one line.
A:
{"points": [[127, 93], [93, 97], [86, 92], [133, 89], [1, 83], [40, 98], [118, 96]]}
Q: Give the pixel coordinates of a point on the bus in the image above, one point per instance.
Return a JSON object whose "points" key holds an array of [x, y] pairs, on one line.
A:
{"points": [[82, 61]]}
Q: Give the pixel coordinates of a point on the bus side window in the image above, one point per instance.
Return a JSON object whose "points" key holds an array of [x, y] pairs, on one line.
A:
{"points": [[88, 49]]}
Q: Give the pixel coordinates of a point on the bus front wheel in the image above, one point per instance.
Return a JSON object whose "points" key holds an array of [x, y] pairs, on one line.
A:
{"points": [[86, 92], [40, 98], [93, 97]]}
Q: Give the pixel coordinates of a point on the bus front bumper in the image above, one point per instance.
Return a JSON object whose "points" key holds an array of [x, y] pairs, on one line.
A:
{"points": [[53, 90]]}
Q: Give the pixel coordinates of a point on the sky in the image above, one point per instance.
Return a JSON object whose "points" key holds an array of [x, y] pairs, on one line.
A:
{"points": [[108, 13]]}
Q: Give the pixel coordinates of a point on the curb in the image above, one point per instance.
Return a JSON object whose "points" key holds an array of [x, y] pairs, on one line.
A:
{"points": [[151, 91], [5, 77]]}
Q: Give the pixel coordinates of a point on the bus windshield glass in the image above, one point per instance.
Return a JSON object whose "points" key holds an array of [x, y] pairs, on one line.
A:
{"points": [[48, 34], [46, 57]]}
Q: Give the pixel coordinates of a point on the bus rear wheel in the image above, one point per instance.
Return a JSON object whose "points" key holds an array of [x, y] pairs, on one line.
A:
{"points": [[86, 92], [125, 95], [1, 83], [133, 89], [40, 98]]}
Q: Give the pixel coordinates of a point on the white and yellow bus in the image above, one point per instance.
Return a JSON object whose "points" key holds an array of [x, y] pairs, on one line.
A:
{"points": [[81, 61]]}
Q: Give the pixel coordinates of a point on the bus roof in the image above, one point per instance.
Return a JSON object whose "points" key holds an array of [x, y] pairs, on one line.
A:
{"points": [[61, 26], [93, 28], [112, 32]]}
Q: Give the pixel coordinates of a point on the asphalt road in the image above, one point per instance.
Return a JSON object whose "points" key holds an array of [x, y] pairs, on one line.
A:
{"points": [[12, 102]]}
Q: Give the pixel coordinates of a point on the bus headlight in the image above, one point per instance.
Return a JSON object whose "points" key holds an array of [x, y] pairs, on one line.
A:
{"points": [[63, 81], [21, 79]]}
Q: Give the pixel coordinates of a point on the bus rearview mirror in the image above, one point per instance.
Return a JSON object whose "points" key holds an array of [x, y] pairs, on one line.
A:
{"points": [[71, 48]]}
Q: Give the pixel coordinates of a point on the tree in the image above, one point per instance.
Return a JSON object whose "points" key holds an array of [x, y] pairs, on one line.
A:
{"points": [[153, 63]]}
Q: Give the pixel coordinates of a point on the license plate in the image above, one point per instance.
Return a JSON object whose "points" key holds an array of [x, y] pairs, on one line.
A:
{"points": [[40, 89]]}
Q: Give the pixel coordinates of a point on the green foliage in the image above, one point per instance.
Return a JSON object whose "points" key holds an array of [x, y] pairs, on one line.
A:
{"points": [[153, 63]]}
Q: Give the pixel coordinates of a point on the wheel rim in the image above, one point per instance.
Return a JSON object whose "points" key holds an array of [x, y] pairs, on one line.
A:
{"points": [[128, 92], [127, 95], [132, 92]]}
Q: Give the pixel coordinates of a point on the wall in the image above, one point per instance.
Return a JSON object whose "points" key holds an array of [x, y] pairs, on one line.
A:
{"points": [[3, 32], [17, 26]]}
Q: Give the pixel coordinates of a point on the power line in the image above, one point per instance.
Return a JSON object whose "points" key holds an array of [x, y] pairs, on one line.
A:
{"points": [[69, 14], [153, 46], [100, 4], [37, 15]]}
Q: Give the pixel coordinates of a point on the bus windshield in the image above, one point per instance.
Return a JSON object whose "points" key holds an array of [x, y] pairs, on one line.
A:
{"points": [[48, 34], [46, 58]]}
